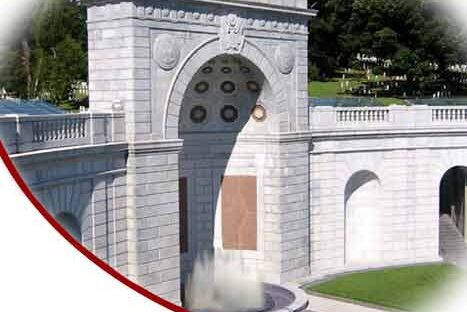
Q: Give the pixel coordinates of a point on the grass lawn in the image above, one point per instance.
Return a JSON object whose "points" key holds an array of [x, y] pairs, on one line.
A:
{"points": [[399, 288], [329, 88], [332, 89]]}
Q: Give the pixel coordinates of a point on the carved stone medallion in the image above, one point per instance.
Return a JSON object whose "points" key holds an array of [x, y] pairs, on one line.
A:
{"points": [[285, 58], [166, 52], [259, 113], [232, 35]]}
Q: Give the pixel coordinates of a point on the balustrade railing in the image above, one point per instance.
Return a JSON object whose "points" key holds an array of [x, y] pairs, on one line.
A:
{"points": [[362, 115], [59, 129], [30, 133], [450, 114], [391, 117]]}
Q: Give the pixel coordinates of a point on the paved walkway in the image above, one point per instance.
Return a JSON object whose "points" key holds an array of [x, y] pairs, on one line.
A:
{"points": [[320, 304], [452, 243]]}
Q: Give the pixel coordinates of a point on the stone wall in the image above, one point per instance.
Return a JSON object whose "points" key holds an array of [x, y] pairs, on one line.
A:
{"points": [[88, 184], [408, 149]]}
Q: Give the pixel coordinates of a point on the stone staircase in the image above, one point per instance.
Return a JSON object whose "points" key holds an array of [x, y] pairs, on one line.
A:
{"points": [[452, 245]]}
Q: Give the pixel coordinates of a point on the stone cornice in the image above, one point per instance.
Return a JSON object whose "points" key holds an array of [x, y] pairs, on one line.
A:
{"points": [[309, 13], [77, 179], [204, 15], [162, 146], [54, 154], [278, 138], [339, 135]]}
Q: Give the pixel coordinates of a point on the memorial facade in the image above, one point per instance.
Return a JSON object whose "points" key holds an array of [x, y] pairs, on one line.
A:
{"points": [[200, 137]]}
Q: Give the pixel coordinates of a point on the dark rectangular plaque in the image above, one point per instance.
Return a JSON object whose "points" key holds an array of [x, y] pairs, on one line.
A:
{"points": [[183, 202]]}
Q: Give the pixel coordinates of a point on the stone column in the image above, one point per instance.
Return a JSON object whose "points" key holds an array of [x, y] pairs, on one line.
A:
{"points": [[287, 207], [120, 75], [463, 208], [153, 206]]}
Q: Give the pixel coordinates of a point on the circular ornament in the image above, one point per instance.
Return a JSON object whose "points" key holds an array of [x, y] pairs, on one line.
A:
{"points": [[245, 70], [229, 113], [226, 70], [258, 113], [285, 58], [202, 87], [166, 52], [207, 70], [228, 87], [253, 86], [198, 114]]}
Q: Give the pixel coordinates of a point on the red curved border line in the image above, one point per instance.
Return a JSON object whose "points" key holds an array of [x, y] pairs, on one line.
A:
{"points": [[88, 254]]}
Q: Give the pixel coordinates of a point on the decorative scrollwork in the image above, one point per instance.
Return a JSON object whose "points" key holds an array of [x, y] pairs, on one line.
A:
{"points": [[232, 35]]}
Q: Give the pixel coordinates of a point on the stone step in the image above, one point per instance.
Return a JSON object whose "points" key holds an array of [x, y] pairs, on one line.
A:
{"points": [[452, 244]]}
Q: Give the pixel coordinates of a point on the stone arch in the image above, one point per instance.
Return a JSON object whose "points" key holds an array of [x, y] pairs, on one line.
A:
{"points": [[447, 160], [70, 223], [65, 202], [219, 178], [201, 55], [362, 218], [452, 202]]}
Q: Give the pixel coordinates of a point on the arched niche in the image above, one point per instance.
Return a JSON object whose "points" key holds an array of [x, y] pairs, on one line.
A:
{"points": [[363, 216]]}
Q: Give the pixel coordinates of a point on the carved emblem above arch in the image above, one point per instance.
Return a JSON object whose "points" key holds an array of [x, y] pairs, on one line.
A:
{"points": [[285, 58], [166, 52], [232, 37]]}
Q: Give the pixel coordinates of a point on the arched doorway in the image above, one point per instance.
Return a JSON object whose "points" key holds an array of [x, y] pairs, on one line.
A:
{"points": [[363, 218], [453, 195], [452, 203], [228, 98], [71, 224]]}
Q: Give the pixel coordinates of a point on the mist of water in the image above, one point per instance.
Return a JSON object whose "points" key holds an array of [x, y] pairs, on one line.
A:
{"points": [[13, 15], [222, 283]]}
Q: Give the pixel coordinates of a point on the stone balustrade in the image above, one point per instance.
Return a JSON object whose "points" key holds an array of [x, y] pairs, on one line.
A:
{"points": [[450, 114], [392, 117], [22, 134]]}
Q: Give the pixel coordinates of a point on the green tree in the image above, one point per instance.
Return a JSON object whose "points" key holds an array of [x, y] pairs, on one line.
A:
{"points": [[328, 47], [410, 33], [50, 57]]}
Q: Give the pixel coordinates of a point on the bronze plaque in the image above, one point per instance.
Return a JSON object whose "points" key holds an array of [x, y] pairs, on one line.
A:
{"points": [[183, 202], [239, 213]]}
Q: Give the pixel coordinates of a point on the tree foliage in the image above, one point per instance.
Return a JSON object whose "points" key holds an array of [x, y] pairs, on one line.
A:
{"points": [[50, 57], [410, 33]]}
